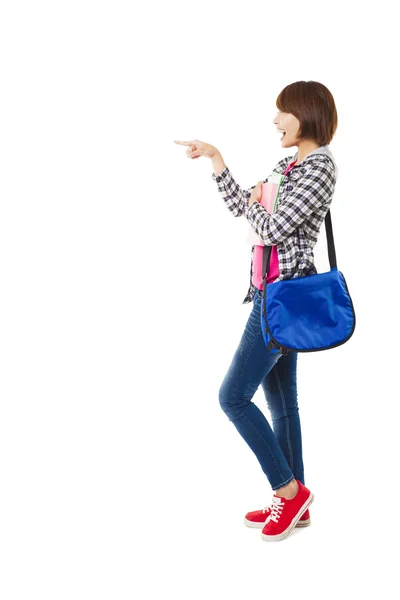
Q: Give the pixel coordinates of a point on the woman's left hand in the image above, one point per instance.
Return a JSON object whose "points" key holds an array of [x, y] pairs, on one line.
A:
{"points": [[256, 194]]}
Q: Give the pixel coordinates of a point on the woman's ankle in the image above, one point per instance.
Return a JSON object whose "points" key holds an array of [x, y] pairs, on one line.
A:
{"points": [[288, 491]]}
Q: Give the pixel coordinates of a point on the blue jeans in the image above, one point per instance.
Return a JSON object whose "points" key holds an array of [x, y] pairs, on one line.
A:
{"points": [[278, 450]]}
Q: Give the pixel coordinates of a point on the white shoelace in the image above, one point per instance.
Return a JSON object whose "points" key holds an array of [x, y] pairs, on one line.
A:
{"points": [[276, 508]]}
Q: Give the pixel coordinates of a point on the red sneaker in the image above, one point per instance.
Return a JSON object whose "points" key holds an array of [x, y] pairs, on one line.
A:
{"points": [[257, 518], [285, 514]]}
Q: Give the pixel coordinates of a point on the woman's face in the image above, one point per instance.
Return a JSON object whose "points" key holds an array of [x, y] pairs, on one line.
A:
{"points": [[291, 125]]}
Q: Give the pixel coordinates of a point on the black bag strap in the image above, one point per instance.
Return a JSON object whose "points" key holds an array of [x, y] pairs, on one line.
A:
{"points": [[331, 247]]}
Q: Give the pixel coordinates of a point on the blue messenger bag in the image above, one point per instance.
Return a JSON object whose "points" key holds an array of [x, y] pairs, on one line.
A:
{"points": [[310, 313]]}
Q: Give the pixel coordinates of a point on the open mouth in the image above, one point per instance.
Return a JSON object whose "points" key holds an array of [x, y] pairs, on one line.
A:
{"points": [[282, 131]]}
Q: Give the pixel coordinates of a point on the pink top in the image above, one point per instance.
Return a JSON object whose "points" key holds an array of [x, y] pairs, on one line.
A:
{"points": [[273, 271]]}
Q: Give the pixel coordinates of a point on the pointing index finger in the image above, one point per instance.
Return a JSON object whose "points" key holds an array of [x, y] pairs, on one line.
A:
{"points": [[183, 143]]}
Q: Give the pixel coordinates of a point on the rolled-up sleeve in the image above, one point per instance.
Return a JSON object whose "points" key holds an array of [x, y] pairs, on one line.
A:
{"points": [[236, 199], [312, 194]]}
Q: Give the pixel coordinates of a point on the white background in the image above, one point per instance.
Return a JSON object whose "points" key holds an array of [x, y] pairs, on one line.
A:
{"points": [[122, 276]]}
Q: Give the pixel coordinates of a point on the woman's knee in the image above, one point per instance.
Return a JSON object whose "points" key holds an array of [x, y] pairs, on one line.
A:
{"points": [[226, 397], [223, 398]]}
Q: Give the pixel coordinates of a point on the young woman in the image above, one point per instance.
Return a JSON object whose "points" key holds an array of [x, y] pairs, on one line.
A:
{"points": [[307, 118]]}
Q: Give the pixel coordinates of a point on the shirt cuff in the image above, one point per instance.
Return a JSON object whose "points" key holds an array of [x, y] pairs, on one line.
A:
{"points": [[221, 176]]}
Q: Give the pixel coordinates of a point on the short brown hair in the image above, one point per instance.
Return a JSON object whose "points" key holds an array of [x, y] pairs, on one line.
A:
{"points": [[313, 105]]}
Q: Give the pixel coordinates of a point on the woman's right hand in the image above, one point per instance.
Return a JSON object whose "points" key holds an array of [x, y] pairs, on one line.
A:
{"points": [[197, 148]]}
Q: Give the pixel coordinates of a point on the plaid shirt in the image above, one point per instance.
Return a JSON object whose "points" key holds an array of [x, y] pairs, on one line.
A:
{"points": [[304, 199]]}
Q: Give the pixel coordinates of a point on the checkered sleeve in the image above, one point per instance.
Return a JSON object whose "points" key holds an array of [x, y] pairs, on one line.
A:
{"points": [[234, 197], [308, 201]]}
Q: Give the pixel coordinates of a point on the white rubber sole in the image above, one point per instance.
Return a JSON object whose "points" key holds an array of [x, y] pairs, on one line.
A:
{"points": [[254, 525], [281, 536]]}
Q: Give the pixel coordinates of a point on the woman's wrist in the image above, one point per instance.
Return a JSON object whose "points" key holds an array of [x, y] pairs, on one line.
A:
{"points": [[217, 163]]}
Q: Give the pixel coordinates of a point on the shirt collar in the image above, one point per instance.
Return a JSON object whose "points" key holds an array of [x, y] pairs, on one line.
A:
{"points": [[321, 150]]}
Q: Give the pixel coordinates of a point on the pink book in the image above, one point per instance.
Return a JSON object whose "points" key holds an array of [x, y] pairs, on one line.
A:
{"points": [[269, 200]]}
